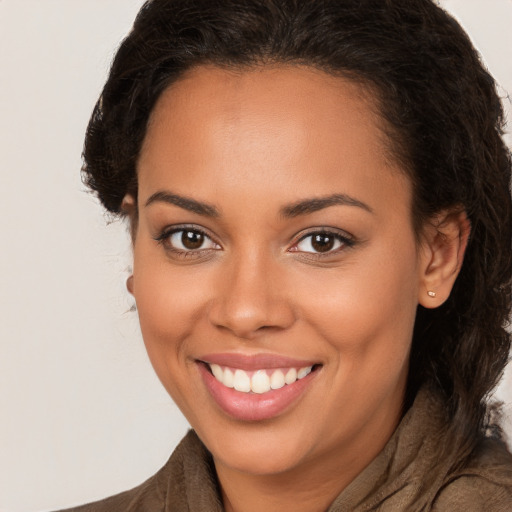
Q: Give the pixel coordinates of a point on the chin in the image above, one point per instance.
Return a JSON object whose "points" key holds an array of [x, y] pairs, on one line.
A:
{"points": [[257, 449], [261, 462]]}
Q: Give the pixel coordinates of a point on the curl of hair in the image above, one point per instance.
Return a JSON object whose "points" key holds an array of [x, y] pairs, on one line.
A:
{"points": [[445, 125]]}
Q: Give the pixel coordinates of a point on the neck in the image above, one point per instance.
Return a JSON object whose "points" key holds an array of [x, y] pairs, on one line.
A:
{"points": [[310, 486], [242, 492]]}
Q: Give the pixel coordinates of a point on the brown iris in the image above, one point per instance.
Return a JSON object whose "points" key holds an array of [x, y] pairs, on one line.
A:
{"points": [[322, 242], [192, 239]]}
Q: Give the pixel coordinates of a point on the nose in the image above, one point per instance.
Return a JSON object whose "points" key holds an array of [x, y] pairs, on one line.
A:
{"points": [[251, 298]]}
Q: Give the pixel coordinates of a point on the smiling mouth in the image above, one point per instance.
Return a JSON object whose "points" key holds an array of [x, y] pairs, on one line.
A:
{"points": [[260, 381], [256, 388]]}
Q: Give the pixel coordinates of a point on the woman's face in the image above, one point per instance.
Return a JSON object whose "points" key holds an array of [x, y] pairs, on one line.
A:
{"points": [[274, 237]]}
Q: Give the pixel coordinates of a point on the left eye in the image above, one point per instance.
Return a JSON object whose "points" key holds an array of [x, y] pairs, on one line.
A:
{"points": [[190, 240], [320, 242]]}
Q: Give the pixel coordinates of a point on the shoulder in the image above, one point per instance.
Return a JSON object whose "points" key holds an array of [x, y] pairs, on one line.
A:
{"points": [[484, 484], [150, 496], [169, 489]]}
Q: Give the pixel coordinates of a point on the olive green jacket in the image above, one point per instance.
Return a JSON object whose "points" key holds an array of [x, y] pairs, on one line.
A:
{"points": [[408, 475]]}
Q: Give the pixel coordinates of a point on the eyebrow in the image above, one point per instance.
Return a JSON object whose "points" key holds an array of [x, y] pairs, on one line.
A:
{"points": [[302, 207], [186, 203], [307, 206]]}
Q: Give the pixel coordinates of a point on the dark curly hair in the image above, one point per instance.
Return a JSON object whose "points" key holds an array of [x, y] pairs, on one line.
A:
{"points": [[445, 125]]}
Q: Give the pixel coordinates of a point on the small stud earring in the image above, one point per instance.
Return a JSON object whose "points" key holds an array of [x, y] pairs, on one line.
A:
{"points": [[431, 294]]}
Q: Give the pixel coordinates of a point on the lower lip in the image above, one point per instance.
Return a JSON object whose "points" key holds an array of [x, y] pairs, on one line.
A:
{"points": [[253, 406]]}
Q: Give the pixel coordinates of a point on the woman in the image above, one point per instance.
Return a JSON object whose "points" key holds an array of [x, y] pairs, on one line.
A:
{"points": [[319, 202]]}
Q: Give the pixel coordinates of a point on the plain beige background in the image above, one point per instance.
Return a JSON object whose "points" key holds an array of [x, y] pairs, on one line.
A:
{"points": [[82, 415]]}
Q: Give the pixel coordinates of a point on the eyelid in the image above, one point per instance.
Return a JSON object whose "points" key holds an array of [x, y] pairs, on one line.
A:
{"points": [[347, 240], [166, 232]]}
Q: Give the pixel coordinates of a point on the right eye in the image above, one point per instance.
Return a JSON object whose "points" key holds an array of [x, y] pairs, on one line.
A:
{"points": [[187, 240]]}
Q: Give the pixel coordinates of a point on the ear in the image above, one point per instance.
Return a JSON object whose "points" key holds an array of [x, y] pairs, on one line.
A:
{"points": [[129, 284], [129, 208], [444, 241], [128, 204]]}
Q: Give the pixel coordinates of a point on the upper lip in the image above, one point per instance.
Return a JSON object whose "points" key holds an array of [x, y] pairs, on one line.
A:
{"points": [[256, 361]]}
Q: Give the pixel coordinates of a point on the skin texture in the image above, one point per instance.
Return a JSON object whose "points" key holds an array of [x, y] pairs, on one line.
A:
{"points": [[249, 144]]}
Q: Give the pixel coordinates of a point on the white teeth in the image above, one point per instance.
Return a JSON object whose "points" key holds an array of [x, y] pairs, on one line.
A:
{"points": [[217, 371], [228, 379], [303, 372], [241, 381], [291, 376], [261, 381], [277, 380]]}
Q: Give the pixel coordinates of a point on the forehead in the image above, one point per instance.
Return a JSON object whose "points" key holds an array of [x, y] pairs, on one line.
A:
{"points": [[282, 126]]}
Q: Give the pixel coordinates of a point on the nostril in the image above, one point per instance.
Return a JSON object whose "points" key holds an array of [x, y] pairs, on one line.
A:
{"points": [[249, 322]]}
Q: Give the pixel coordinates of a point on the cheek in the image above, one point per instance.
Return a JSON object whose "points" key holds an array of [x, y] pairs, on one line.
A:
{"points": [[170, 300], [169, 305], [366, 309]]}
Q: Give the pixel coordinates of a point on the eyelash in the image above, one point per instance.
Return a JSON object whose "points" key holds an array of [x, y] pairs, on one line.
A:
{"points": [[345, 241], [166, 234]]}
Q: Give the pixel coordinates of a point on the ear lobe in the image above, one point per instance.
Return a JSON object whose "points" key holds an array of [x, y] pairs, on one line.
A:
{"points": [[444, 243]]}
